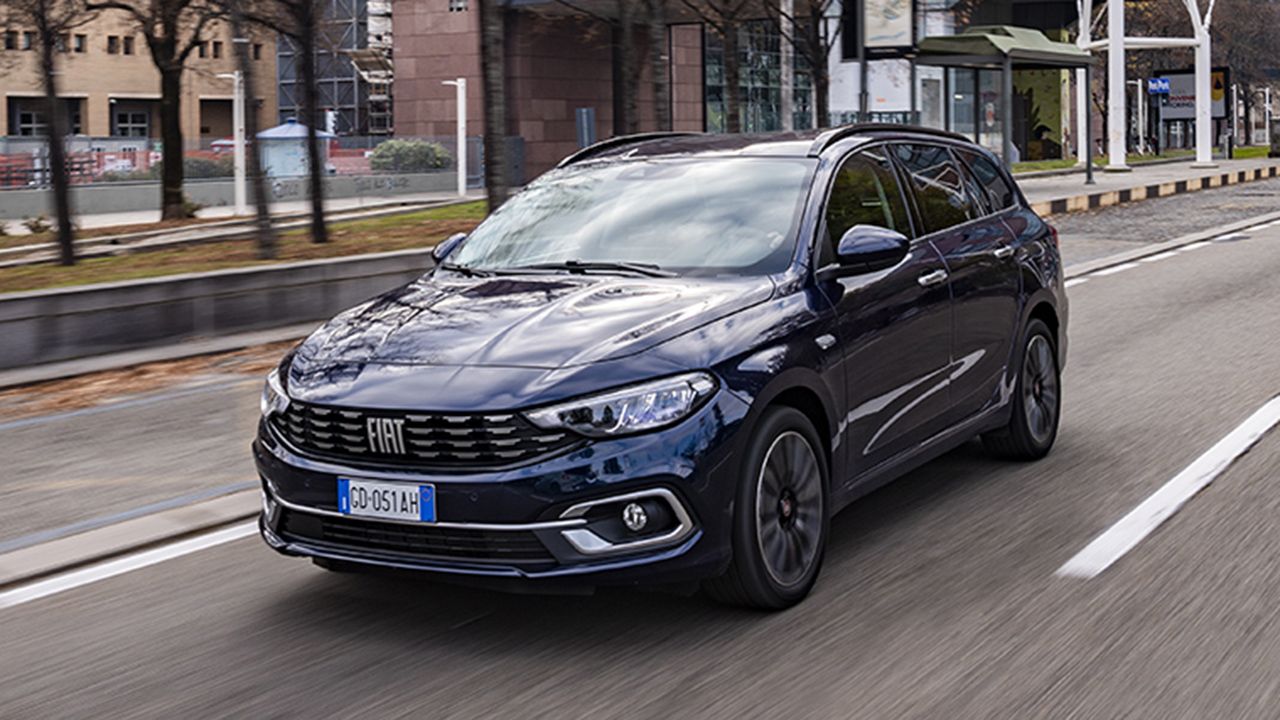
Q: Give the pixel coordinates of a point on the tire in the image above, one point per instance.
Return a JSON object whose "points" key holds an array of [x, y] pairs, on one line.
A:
{"points": [[1037, 400], [780, 518]]}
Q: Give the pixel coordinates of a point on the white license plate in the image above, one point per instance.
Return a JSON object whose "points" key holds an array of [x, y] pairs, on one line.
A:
{"points": [[390, 501]]}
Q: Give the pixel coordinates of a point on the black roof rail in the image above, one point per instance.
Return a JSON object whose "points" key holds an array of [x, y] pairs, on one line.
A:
{"points": [[830, 137], [617, 142]]}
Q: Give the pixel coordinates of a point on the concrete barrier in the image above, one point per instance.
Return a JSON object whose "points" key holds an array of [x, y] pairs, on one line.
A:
{"points": [[99, 198], [46, 326]]}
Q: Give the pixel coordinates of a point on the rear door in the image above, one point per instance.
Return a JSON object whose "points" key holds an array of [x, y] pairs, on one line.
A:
{"points": [[975, 245], [896, 329]]}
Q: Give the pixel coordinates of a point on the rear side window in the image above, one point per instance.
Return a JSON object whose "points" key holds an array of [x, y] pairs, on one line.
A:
{"points": [[938, 186], [995, 188], [865, 192]]}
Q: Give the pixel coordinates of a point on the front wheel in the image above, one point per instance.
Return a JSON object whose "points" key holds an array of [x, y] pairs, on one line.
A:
{"points": [[1037, 400], [780, 518]]}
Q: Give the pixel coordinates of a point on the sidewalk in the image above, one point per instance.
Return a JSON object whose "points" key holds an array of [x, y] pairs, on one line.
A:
{"points": [[289, 207], [1069, 193]]}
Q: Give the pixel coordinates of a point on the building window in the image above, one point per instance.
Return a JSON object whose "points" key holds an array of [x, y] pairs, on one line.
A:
{"points": [[113, 44], [457, 5], [81, 43], [31, 122], [63, 43], [760, 81], [257, 51], [10, 39], [128, 45], [28, 40], [217, 49], [203, 49], [133, 124]]}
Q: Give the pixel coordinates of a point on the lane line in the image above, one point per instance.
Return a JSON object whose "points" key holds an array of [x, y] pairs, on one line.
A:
{"points": [[101, 571], [1161, 505], [1195, 245], [1162, 256], [1116, 269], [1076, 281], [1231, 236]]}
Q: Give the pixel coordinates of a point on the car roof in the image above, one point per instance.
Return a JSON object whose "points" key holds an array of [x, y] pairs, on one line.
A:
{"points": [[802, 143]]}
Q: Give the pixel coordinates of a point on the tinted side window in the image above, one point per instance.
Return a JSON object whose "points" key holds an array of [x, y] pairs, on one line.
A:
{"points": [[865, 192], [937, 185], [996, 189]]}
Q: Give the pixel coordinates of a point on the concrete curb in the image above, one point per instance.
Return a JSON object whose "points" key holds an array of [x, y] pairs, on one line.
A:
{"points": [[55, 556], [1101, 199]]}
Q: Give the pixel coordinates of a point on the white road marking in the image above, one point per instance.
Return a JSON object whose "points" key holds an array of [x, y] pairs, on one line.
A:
{"points": [[1116, 269], [1076, 281], [1161, 505], [1195, 246], [1162, 256], [110, 568], [1231, 236]]}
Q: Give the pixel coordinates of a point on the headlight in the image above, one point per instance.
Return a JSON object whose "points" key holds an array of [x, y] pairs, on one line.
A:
{"points": [[274, 399], [630, 410]]}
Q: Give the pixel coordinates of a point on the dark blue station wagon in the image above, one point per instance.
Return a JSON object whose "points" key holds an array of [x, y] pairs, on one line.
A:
{"points": [[669, 361]]}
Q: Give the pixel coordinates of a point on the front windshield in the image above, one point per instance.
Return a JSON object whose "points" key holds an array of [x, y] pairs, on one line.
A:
{"points": [[705, 216]]}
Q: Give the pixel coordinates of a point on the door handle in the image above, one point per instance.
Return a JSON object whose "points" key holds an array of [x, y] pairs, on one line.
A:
{"points": [[1004, 251], [933, 278]]}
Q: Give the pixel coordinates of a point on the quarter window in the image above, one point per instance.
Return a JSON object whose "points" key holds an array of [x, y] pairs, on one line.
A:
{"points": [[937, 185], [996, 189]]}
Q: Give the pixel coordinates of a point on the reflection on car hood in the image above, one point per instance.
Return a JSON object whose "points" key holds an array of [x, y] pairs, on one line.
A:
{"points": [[530, 321]]}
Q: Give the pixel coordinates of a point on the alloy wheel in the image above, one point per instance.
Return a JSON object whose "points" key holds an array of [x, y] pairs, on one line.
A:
{"points": [[789, 508]]}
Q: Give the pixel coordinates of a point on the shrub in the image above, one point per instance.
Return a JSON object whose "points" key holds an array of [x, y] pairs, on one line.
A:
{"points": [[409, 156], [37, 225]]}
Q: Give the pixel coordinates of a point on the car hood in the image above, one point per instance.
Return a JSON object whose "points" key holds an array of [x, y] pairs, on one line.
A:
{"points": [[534, 321]]}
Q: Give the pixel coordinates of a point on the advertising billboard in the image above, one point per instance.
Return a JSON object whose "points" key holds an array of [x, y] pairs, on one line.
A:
{"points": [[1180, 103]]}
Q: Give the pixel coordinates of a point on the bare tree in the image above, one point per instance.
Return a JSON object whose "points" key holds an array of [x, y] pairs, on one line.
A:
{"points": [[300, 22], [266, 236], [53, 20], [655, 15], [725, 17], [620, 19], [813, 35], [173, 29], [493, 55]]}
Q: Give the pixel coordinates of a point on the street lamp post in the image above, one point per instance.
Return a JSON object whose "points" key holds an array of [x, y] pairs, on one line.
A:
{"points": [[461, 152], [237, 122]]}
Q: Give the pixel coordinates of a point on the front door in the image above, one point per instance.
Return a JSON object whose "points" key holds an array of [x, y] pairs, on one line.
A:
{"points": [[895, 324]]}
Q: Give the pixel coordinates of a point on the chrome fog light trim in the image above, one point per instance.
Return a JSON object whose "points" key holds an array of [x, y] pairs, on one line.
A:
{"points": [[589, 543]]}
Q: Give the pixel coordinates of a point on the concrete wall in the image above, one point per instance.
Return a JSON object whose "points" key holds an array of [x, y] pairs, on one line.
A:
{"points": [[130, 196], [52, 325]]}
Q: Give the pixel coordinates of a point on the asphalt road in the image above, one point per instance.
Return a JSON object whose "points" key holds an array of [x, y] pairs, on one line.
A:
{"points": [[939, 597]]}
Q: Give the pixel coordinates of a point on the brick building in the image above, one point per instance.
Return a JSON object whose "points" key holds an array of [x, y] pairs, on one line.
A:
{"points": [[112, 88]]}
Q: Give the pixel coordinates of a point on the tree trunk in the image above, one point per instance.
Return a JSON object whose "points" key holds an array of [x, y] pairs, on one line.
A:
{"points": [[493, 67], [630, 67], [821, 96], [659, 63], [56, 117], [732, 79], [266, 236], [309, 22], [171, 198]]}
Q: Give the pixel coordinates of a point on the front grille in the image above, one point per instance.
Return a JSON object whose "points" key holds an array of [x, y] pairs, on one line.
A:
{"points": [[431, 440], [510, 547]]}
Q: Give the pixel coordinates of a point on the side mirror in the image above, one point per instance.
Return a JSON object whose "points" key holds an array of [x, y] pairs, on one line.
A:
{"points": [[868, 248], [447, 246]]}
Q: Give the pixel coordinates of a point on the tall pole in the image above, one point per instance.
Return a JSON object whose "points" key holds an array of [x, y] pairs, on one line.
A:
{"points": [[1204, 99], [786, 11], [460, 153], [1117, 122], [1083, 151], [864, 97], [1006, 112], [237, 137]]}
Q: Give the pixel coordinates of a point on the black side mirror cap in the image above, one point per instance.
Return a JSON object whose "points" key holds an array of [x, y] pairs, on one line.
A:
{"points": [[867, 249], [447, 246]]}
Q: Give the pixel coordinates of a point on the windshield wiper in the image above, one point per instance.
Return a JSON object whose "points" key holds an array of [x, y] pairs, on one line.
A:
{"points": [[584, 266], [466, 270]]}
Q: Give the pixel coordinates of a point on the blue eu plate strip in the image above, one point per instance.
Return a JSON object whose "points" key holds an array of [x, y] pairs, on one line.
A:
{"points": [[427, 503], [344, 496]]}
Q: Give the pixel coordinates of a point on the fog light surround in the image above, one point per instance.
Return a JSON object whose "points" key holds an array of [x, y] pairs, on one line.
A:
{"points": [[657, 510]]}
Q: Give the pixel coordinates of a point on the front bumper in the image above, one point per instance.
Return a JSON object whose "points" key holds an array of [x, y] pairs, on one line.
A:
{"points": [[540, 522]]}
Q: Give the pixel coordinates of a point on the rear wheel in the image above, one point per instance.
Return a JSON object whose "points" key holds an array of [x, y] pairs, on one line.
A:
{"points": [[1037, 400], [780, 516]]}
